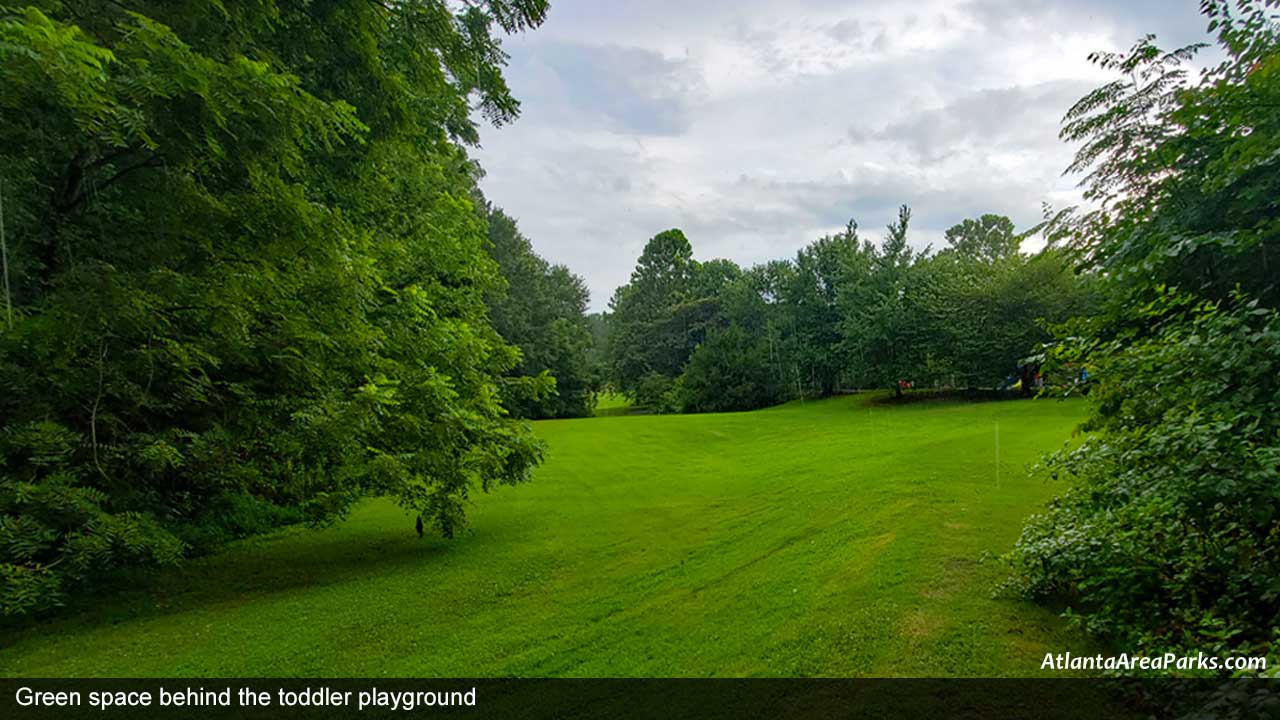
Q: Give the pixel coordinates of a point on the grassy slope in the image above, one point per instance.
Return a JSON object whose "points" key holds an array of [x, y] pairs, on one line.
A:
{"points": [[825, 539]]}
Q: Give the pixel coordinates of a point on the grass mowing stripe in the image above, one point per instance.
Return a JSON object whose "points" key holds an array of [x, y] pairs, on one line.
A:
{"points": [[833, 538]]}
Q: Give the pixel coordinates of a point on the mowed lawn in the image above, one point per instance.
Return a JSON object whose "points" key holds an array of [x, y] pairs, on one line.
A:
{"points": [[830, 538]]}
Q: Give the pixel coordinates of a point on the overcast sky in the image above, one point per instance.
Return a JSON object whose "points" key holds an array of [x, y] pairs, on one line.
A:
{"points": [[757, 126]]}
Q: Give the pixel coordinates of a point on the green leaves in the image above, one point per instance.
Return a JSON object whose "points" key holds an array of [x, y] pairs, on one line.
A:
{"points": [[249, 279], [1163, 536], [27, 588], [730, 371], [1166, 538], [844, 313], [659, 317], [34, 45], [542, 312]]}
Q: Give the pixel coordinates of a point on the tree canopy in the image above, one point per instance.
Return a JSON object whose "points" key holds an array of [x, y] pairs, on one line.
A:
{"points": [[541, 309], [1166, 538], [845, 313], [247, 281], [988, 238]]}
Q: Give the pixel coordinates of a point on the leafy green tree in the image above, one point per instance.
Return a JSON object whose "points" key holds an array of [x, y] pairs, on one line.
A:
{"points": [[1166, 539], [598, 355], [656, 392], [542, 311], [730, 370], [812, 294], [734, 367], [690, 336], [710, 278], [981, 306], [877, 322], [842, 312], [248, 282], [651, 316], [988, 238], [599, 324]]}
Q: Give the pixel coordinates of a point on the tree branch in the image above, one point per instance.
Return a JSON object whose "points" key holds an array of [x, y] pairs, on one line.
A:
{"points": [[74, 193]]}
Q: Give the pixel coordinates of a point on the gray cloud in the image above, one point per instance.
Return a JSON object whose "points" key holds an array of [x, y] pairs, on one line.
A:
{"points": [[1018, 118], [759, 125], [622, 89], [1175, 22]]}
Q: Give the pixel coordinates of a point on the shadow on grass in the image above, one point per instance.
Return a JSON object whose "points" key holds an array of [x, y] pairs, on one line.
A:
{"points": [[245, 571], [973, 395]]}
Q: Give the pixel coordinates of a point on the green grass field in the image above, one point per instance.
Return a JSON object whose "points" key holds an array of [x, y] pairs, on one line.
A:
{"points": [[830, 538]]}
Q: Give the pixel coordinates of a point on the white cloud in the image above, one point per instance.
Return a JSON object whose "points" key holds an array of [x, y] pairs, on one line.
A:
{"points": [[758, 125]]}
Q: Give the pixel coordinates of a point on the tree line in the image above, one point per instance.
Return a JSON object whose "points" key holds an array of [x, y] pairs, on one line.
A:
{"points": [[845, 313], [541, 309]]}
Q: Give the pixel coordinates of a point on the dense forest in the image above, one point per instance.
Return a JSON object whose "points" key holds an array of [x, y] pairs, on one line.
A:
{"points": [[250, 279]]}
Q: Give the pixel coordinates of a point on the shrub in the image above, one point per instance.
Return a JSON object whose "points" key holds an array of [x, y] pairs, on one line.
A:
{"points": [[729, 371], [656, 392], [1170, 535]]}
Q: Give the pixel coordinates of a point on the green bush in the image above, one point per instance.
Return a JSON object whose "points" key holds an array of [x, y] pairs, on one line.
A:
{"points": [[658, 393], [231, 517], [729, 371], [1168, 536]]}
